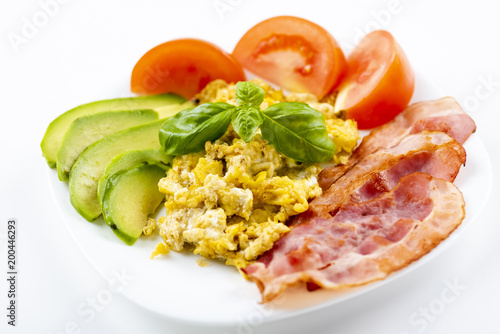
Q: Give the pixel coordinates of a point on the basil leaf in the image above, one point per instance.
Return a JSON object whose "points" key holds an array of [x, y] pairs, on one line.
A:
{"points": [[246, 121], [248, 93], [189, 130], [298, 131]]}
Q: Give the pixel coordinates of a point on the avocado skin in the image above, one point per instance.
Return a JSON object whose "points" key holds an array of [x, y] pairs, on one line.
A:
{"points": [[129, 197], [58, 127], [130, 159], [86, 130]]}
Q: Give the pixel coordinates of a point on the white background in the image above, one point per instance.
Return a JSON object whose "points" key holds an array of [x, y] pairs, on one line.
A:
{"points": [[86, 52]]}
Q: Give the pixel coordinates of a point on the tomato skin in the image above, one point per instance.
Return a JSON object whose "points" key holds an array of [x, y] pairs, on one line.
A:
{"points": [[379, 83], [293, 53], [184, 67]]}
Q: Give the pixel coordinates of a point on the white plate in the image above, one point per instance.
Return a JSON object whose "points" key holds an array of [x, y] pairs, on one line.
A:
{"points": [[217, 295]]}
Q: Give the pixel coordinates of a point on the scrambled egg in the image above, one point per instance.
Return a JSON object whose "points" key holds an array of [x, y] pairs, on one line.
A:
{"points": [[231, 201], [345, 135]]}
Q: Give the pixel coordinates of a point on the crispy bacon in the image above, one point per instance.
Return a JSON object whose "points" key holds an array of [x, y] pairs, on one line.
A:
{"points": [[391, 204], [443, 115], [434, 153], [363, 241]]}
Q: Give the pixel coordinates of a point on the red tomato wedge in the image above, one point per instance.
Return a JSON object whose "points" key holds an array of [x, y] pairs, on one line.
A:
{"points": [[183, 66], [379, 82], [293, 53]]}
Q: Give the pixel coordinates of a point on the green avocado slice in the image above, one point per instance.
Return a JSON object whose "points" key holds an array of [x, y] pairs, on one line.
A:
{"points": [[56, 130], [129, 160], [130, 196], [90, 165], [88, 129]]}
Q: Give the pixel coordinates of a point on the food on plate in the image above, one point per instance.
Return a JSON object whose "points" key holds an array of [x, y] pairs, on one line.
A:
{"points": [[374, 85], [293, 128], [392, 206], [434, 153], [363, 242], [344, 133], [88, 137], [58, 127], [86, 130], [444, 115], [379, 82], [129, 197], [231, 200], [239, 166], [184, 67], [294, 53], [129, 160], [90, 166]]}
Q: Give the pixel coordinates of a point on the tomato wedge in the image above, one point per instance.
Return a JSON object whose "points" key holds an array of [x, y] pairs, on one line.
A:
{"points": [[296, 54], [379, 82], [183, 66]]}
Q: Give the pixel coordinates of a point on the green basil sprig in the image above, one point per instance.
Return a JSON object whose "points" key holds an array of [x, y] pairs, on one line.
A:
{"points": [[246, 120], [294, 129], [189, 130], [298, 131]]}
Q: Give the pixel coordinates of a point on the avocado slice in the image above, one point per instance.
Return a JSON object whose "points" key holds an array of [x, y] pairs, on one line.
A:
{"points": [[90, 165], [130, 159], [130, 196], [86, 130], [56, 130]]}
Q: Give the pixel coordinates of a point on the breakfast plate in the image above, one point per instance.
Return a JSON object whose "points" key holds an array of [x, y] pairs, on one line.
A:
{"points": [[176, 286]]}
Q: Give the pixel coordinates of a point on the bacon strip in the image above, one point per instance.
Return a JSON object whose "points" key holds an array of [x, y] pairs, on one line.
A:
{"points": [[369, 181], [443, 115], [364, 241], [434, 153]]}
